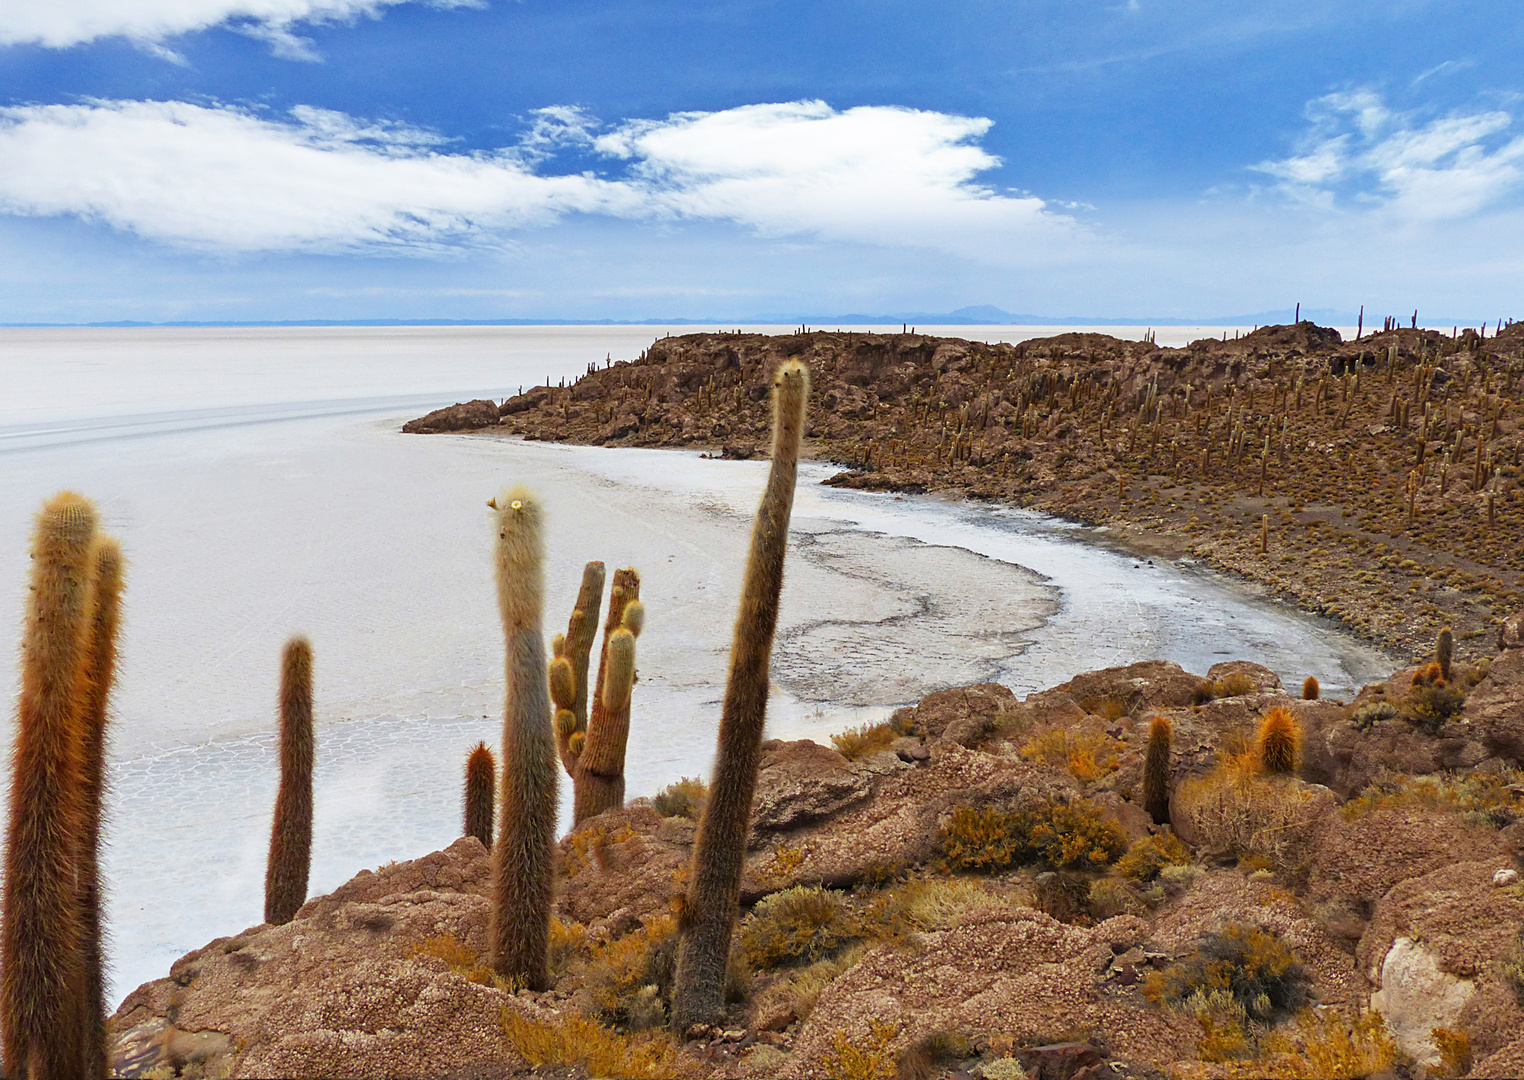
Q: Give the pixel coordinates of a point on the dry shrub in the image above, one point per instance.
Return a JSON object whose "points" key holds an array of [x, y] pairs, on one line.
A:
{"points": [[866, 1057], [589, 843], [864, 739], [1323, 1043], [803, 986], [573, 1040], [926, 1057], [568, 943], [1430, 705], [796, 926], [1487, 799], [1454, 1052], [1513, 967], [628, 977], [937, 904], [1073, 835], [1239, 970], [1150, 855], [1087, 756], [1235, 685], [1109, 708], [461, 959], [684, 798], [1110, 897], [1238, 811], [786, 859]]}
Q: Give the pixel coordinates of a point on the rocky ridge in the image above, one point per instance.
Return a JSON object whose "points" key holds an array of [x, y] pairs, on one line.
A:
{"points": [[1376, 481]]}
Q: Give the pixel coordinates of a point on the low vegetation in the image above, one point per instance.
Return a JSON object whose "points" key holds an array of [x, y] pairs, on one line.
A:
{"points": [[1239, 811], [1074, 835], [574, 1040]]}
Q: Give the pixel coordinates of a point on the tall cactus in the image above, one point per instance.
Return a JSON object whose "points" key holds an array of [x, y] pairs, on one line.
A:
{"points": [[41, 958], [1444, 652], [715, 881], [291, 834], [599, 777], [480, 770], [98, 675], [522, 864]]}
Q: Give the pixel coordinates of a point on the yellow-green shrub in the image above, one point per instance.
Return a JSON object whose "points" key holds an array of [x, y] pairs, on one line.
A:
{"points": [[1148, 856], [575, 1040], [1072, 835], [795, 926], [864, 739], [862, 1058], [1259, 972], [683, 798]]}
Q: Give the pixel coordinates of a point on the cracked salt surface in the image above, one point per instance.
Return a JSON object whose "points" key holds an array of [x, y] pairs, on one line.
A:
{"points": [[248, 522]]}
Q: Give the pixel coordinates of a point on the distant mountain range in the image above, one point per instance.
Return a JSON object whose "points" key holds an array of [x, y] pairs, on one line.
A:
{"points": [[976, 315]]}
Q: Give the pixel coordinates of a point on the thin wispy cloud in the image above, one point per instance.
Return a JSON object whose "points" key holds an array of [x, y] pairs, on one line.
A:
{"points": [[60, 24], [220, 178], [1360, 152]]}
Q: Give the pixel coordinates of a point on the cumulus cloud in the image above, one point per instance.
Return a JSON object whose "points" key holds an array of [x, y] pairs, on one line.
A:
{"points": [[875, 174], [222, 178], [1358, 149], [59, 24]]}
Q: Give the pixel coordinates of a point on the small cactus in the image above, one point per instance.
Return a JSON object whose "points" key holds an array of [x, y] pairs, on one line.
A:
{"points": [[41, 936], [1310, 688], [1279, 741], [1444, 652], [524, 849], [720, 848], [481, 772], [291, 835], [1156, 769]]}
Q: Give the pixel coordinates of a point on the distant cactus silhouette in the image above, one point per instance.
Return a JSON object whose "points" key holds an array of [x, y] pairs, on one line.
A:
{"points": [[1444, 652], [1310, 688], [1280, 740], [715, 880], [575, 646], [291, 834], [1156, 770], [98, 675], [599, 779], [41, 938], [481, 773], [522, 854]]}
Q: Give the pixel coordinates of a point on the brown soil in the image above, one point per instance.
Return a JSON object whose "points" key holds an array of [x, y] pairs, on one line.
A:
{"points": [[1386, 490]]}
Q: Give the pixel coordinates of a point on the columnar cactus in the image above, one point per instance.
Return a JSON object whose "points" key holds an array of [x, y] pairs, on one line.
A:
{"points": [[291, 834], [522, 857], [710, 907], [1444, 652], [95, 691], [1156, 770], [575, 647], [480, 775], [41, 937], [599, 776]]}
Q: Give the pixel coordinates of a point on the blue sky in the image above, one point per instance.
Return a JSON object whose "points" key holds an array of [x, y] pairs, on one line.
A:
{"points": [[477, 159]]}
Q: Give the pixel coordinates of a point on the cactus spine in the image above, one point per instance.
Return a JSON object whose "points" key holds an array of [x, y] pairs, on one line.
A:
{"points": [[98, 675], [291, 834], [1156, 771], [42, 962], [480, 770], [1280, 738], [599, 778], [715, 882], [525, 845], [1310, 688], [575, 647], [1444, 652]]}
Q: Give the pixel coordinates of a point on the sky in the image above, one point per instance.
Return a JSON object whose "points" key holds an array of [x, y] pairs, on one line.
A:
{"points": [[242, 160]]}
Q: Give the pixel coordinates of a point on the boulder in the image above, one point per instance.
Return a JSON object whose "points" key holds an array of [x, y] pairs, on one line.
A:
{"points": [[968, 710], [1263, 678], [1360, 859], [1416, 997], [799, 782], [1151, 684], [462, 416], [1494, 708], [1511, 632]]}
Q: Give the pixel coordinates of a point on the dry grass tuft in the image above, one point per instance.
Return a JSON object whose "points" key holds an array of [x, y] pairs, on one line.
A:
{"points": [[1487, 799], [1322, 1043], [1087, 757], [1239, 811], [803, 986], [863, 1058], [1235, 685], [1454, 1052], [796, 926], [864, 739], [573, 1040]]}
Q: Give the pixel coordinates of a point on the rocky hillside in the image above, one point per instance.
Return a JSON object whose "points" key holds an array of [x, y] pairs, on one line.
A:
{"points": [[973, 889], [1376, 481]]}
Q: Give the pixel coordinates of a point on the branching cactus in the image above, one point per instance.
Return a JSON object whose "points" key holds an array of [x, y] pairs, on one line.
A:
{"points": [[525, 845], [1156, 770], [98, 675], [480, 774], [599, 779], [709, 910], [41, 938], [291, 835]]}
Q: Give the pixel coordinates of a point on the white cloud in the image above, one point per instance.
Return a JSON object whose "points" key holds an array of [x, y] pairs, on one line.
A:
{"points": [[225, 179], [873, 174], [1445, 168], [59, 24]]}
